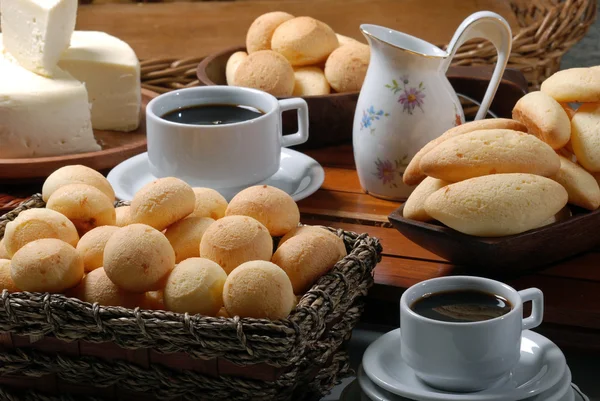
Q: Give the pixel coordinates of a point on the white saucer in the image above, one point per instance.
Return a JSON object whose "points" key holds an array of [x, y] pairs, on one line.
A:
{"points": [[540, 368], [299, 175], [564, 390]]}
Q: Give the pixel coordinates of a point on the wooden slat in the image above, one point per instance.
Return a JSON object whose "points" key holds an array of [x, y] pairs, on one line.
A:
{"points": [[345, 205], [393, 243], [343, 180], [191, 29], [340, 156]]}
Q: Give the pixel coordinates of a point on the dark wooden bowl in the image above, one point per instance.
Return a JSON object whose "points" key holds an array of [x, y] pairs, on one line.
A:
{"points": [[505, 255], [331, 116]]}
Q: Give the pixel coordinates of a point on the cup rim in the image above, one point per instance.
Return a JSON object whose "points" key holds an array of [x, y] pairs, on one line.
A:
{"points": [[220, 88], [516, 306]]}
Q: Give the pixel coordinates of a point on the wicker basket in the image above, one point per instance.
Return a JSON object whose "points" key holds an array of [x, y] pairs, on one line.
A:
{"points": [[548, 29], [54, 347]]}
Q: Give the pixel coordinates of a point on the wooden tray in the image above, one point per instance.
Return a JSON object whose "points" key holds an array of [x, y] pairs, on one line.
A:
{"points": [[505, 255], [331, 116], [116, 147]]}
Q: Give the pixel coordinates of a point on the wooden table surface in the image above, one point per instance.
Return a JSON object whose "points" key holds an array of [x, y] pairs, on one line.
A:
{"points": [[185, 29], [571, 288]]}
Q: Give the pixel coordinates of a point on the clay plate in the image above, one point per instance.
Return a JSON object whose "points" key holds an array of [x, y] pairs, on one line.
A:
{"points": [[116, 147], [505, 255]]}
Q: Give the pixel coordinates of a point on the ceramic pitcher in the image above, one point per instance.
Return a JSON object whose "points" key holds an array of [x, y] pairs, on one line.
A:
{"points": [[406, 99]]}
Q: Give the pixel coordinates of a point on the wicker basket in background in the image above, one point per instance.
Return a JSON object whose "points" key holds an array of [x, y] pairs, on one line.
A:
{"points": [[54, 347], [548, 29]]}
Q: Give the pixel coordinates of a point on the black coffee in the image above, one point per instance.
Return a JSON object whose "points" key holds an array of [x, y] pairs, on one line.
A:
{"points": [[212, 114], [461, 306]]}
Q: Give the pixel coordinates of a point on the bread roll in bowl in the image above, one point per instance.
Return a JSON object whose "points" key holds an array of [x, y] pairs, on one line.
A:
{"points": [[304, 41], [261, 31], [346, 67], [266, 70]]}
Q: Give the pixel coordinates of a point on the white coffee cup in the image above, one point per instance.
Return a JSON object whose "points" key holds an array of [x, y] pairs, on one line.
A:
{"points": [[220, 156], [471, 356]]}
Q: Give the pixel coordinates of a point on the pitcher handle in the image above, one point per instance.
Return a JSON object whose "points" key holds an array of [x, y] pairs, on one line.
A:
{"points": [[490, 26]]}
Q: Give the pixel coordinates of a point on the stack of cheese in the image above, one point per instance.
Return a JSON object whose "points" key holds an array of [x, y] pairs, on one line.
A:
{"points": [[502, 177], [175, 248], [298, 56], [52, 76]]}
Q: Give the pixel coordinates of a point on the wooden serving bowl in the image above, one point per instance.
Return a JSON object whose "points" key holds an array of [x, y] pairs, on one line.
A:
{"points": [[505, 255], [330, 116]]}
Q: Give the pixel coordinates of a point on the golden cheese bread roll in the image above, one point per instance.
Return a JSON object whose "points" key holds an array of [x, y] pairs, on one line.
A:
{"points": [[38, 223], [320, 230], [96, 287], [574, 85], [258, 289], [91, 246], [234, 240], [185, 235], [581, 186], [304, 41], [6, 281], [233, 62], [544, 117], [76, 174], [310, 81], [345, 40], [268, 71], [3, 252], [346, 67], [271, 206], [306, 257], [154, 300], [195, 286], [413, 174], [261, 30], [86, 206], [162, 202], [209, 203], [497, 205], [585, 136], [486, 152], [564, 214], [123, 216], [138, 258], [414, 207], [46, 265]]}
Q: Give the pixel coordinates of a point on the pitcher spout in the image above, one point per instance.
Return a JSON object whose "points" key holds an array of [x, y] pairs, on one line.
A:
{"points": [[379, 35]]}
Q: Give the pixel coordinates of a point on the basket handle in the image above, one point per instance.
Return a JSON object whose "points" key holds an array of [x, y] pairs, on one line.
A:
{"points": [[490, 26]]}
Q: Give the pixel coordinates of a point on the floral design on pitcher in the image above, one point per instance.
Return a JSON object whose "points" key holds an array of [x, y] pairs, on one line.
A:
{"points": [[410, 97], [389, 171], [369, 116], [457, 119]]}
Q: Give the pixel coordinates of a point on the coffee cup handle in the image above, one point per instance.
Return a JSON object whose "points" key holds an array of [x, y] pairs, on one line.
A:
{"points": [[537, 309], [302, 135]]}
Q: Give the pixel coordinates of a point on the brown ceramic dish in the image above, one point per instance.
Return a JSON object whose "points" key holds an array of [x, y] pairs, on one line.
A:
{"points": [[505, 255], [331, 116], [116, 147]]}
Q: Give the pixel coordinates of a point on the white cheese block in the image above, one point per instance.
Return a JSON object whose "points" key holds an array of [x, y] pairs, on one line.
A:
{"points": [[41, 116], [37, 32], [111, 73]]}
